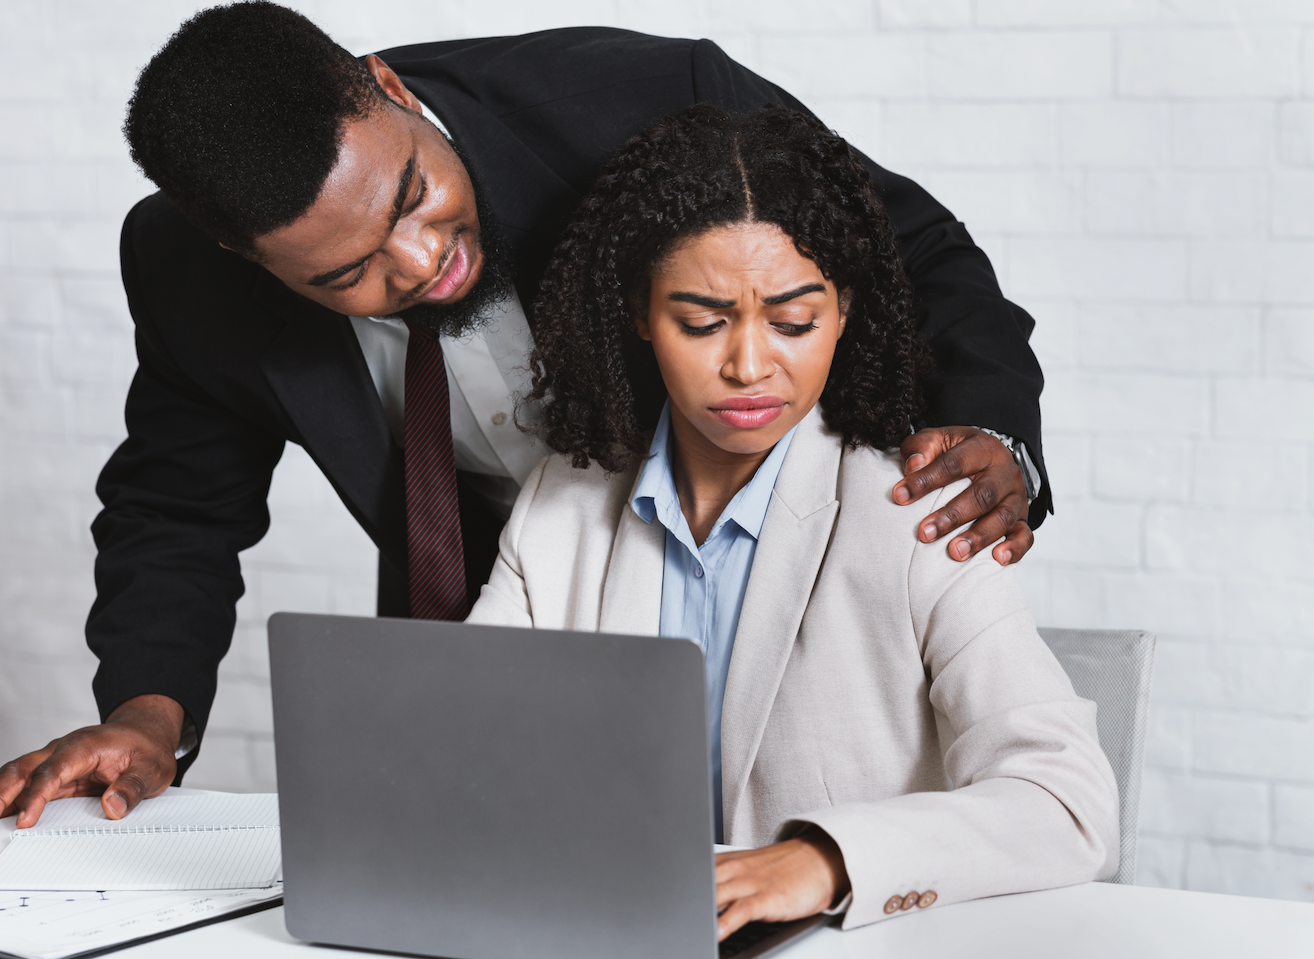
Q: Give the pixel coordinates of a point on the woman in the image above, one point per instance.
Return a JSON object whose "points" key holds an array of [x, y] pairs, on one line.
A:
{"points": [[886, 724]]}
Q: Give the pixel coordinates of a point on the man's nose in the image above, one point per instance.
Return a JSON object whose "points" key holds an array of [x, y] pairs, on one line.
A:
{"points": [[416, 256], [749, 358]]}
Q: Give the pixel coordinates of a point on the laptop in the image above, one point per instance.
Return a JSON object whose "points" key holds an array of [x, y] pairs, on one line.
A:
{"points": [[480, 792]]}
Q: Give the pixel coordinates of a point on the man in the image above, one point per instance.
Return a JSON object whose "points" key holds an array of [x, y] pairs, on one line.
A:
{"points": [[318, 244]]}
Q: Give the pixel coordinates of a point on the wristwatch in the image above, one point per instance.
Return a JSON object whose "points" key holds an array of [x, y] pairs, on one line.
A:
{"points": [[1030, 475]]}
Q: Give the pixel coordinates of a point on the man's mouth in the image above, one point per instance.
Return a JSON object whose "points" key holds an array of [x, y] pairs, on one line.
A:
{"points": [[452, 276], [748, 412]]}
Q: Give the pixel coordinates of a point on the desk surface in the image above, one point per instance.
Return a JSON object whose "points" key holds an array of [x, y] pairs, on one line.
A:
{"points": [[1095, 920]]}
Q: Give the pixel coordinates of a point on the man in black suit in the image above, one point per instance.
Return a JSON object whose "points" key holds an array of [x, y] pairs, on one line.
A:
{"points": [[320, 220]]}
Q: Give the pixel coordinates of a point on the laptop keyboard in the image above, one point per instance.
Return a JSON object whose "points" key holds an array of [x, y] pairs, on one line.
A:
{"points": [[748, 936]]}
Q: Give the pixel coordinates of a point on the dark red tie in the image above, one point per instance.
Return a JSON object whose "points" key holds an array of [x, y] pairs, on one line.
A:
{"points": [[433, 516]]}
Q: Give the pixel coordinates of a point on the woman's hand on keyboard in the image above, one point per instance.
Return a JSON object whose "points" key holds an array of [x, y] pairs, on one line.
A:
{"points": [[788, 880]]}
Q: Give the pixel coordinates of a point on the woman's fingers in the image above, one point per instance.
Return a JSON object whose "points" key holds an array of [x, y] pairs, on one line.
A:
{"points": [[777, 883]]}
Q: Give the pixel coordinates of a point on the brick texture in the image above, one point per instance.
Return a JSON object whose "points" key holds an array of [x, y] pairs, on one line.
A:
{"points": [[1141, 173]]}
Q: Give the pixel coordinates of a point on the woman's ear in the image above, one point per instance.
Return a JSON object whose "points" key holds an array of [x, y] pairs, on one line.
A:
{"points": [[845, 301], [640, 308]]}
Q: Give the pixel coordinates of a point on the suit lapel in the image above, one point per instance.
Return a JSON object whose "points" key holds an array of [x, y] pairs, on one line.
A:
{"points": [[315, 367], [789, 555], [632, 591]]}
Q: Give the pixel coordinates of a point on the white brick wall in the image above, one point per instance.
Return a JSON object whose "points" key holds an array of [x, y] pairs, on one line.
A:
{"points": [[1142, 174]]}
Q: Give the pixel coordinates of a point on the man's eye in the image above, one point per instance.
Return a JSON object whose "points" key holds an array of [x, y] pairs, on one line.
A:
{"points": [[702, 330], [419, 196], [356, 278]]}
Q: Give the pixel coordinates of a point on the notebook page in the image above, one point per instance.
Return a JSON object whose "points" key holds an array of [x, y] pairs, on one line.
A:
{"points": [[210, 811], [218, 841]]}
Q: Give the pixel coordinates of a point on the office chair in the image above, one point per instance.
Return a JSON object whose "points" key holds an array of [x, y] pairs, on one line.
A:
{"points": [[1113, 667]]}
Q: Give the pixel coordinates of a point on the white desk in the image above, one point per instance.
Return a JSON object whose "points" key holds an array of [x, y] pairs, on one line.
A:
{"points": [[1094, 920]]}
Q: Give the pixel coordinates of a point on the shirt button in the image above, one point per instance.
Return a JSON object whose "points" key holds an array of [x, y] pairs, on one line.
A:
{"points": [[499, 419], [698, 571]]}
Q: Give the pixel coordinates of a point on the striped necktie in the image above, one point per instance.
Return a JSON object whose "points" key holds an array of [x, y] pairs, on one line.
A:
{"points": [[433, 517]]}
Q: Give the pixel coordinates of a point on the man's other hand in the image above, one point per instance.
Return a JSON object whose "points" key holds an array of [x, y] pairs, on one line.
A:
{"points": [[996, 500], [127, 759]]}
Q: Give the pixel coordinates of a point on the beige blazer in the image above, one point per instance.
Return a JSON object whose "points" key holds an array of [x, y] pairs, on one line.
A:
{"points": [[899, 700]]}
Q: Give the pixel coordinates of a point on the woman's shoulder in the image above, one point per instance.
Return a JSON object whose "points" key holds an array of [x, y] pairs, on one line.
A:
{"points": [[556, 493], [865, 489]]}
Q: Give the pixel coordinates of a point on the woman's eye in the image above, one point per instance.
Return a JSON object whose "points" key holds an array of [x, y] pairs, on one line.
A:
{"points": [[796, 329], [702, 330]]}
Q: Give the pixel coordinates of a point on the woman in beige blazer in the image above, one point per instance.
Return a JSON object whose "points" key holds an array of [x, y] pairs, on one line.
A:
{"points": [[893, 732]]}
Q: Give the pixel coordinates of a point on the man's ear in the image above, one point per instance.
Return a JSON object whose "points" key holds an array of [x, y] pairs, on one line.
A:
{"points": [[392, 84]]}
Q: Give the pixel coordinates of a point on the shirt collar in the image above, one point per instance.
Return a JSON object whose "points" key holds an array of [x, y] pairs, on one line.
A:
{"points": [[655, 495]]}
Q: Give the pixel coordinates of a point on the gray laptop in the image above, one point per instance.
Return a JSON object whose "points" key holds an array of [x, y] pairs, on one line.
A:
{"points": [[481, 792]]}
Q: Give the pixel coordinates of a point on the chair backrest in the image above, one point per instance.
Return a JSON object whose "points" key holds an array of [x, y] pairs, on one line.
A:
{"points": [[1113, 668]]}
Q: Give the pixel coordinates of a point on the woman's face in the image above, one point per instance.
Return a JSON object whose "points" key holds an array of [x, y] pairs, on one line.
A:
{"points": [[744, 329]]}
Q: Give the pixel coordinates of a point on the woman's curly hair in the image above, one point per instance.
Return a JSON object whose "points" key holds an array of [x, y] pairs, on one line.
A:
{"points": [[600, 388]]}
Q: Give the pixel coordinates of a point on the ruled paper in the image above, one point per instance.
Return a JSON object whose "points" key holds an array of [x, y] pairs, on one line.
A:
{"points": [[214, 841]]}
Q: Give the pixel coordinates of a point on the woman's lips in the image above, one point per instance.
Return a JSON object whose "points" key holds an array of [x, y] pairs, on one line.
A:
{"points": [[748, 412], [458, 271]]}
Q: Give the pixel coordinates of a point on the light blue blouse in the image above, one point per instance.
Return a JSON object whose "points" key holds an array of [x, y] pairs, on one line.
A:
{"points": [[703, 586]]}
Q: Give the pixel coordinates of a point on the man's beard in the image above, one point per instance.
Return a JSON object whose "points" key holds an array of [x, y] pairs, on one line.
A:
{"points": [[494, 285]]}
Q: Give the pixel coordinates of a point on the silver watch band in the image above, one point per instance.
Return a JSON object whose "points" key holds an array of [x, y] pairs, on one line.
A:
{"points": [[1030, 475]]}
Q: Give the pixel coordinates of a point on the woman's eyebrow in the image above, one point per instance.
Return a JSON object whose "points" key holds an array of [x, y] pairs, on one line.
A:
{"points": [[794, 294], [698, 299]]}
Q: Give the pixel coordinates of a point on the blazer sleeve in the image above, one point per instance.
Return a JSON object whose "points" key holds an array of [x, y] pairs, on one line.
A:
{"points": [[182, 496], [1032, 802], [985, 372], [504, 600]]}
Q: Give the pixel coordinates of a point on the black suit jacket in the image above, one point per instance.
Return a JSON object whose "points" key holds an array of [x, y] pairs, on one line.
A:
{"points": [[233, 364]]}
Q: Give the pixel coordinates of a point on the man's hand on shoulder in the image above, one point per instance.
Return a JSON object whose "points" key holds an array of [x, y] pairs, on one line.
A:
{"points": [[996, 500], [125, 760]]}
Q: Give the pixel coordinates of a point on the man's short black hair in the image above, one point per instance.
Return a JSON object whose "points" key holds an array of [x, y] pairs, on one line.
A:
{"points": [[239, 117]]}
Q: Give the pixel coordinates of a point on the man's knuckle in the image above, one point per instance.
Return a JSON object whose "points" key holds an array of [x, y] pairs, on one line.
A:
{"points": [[985, 496]]}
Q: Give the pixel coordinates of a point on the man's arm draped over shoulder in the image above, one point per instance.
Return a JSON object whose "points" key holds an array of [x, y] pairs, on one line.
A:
{"points": [[183, 495], [985, 372]]}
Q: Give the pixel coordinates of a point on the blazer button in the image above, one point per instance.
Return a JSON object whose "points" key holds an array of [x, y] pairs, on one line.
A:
{"points": [[893, 905], [909, 901], [927, 899], [499, 419]]}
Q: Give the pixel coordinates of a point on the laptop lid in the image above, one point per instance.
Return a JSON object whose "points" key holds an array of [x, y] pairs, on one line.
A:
{"points": [[478, 791]]}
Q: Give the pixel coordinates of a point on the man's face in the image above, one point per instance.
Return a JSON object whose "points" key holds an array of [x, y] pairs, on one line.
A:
{"points": [[395, 225]]}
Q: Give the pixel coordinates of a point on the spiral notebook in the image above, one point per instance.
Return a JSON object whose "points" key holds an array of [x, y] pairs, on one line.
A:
{"points": [[212, 841]]}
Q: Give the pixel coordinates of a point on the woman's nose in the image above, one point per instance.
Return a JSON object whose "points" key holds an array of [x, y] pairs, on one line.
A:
{"points": [[749, 359]]}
